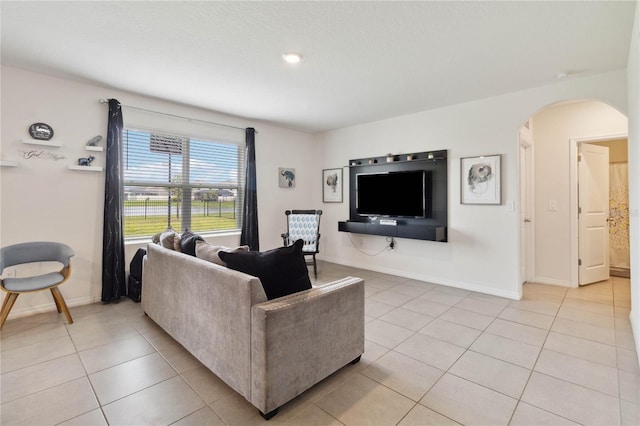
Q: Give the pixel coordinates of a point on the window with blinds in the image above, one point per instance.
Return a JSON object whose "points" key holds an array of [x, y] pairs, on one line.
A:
{"points": [[180, 182]]}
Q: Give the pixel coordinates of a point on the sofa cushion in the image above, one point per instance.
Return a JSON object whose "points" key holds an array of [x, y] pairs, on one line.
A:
{"points": [[211, 253], [282, 271], [156, 238], [188, 242], [167, 239]]}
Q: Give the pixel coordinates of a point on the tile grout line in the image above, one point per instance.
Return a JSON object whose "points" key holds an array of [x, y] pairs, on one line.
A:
{"points": [[86, 376], [466, 349], [615, 346], [416, 403], [615, 341], [533, 366], [178, 374]]}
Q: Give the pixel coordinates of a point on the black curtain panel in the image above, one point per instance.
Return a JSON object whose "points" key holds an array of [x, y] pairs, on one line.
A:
{"points": [[113, 278], [249, 235]]}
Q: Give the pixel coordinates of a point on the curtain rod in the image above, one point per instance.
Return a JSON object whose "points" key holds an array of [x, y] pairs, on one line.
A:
{"points": [[104, 101]]}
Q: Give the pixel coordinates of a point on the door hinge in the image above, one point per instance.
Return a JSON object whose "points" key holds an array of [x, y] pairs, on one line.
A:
{"points": [[579, 210], [579, 262], [579, 158]]}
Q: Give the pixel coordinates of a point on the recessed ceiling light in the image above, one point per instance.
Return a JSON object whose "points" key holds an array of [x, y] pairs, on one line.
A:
{"points": [[292, 57]]}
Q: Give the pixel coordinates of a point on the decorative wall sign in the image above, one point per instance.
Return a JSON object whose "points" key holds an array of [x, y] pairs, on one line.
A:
{"points": [[38, 154], [480, 180], [41, 131], [332, 185], [286, 177]]}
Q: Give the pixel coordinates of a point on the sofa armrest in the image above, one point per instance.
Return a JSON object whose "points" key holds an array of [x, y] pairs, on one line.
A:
{"points": [[300, 339]]}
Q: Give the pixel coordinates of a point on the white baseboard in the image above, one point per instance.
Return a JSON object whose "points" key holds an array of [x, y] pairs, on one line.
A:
{"points": [[634, 330], [435, 280], [49, 307], [552, 281]]}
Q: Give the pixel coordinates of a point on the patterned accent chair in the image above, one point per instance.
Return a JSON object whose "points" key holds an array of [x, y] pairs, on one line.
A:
{"points": [[305, 225]]}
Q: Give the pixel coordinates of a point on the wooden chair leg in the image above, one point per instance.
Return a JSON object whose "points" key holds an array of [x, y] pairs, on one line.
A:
{"points": [[9, 300], [58, 307], [57, 296], [5, 301]]}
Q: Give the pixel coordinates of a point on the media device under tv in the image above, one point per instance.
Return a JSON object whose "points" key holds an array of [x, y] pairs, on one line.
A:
{"points": [[394, 194]]}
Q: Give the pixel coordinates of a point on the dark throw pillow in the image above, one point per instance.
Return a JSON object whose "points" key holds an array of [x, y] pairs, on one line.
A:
{"points": [[188, 242], [282, 271]]}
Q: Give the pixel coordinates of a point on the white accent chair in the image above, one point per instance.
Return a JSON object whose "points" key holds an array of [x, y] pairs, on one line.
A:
{"points": [[304, 225]]}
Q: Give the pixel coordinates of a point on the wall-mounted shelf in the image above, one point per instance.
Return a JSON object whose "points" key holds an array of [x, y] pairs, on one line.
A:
{"points": [[86, 168], [6, 163], [95, 148], [401, 230], [433, 156], [30, 141]]}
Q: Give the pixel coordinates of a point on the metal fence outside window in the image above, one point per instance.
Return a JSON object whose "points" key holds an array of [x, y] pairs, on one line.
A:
{"points": [[149, 211]]}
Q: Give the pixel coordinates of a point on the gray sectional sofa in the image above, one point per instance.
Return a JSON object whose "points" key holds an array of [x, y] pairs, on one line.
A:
{"points": [[268, 351]]}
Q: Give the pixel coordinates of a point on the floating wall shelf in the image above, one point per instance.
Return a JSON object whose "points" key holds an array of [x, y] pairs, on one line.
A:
{"points": [[95, 148], [30, 141], [86, 168], [6, 163]]}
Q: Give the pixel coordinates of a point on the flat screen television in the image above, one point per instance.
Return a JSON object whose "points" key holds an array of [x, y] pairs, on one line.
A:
{"points": [[394, 194]]}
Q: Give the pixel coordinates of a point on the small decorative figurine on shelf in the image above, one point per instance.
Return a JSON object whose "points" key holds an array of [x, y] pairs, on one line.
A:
{"points": [[94, 140], [86, 161]]}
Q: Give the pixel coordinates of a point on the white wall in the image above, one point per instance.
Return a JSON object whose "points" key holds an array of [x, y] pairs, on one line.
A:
{"points": [[43, 200], [482, 252], [633, 87], [553, 129]]}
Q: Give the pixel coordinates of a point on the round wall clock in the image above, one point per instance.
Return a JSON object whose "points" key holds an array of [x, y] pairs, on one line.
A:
{"points": [[41, 131]]}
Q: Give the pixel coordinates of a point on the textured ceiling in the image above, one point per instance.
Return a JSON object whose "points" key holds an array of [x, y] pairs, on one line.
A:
{"points": [[363, 61]]}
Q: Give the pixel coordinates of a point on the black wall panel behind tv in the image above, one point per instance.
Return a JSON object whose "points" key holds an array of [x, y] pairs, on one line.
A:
{"points": [[406, 197]]}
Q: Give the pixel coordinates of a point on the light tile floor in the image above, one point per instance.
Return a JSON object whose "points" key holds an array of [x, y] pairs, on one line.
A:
{"points": [[433, 355]]}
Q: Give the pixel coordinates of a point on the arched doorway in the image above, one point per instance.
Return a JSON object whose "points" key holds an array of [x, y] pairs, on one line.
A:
{"points": [[549, 241]]}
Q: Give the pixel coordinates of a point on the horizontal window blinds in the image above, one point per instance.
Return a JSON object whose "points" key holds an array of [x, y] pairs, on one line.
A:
{"points": [[167, 159]]}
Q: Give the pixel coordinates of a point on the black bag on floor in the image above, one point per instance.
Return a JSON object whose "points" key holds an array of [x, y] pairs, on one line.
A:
{"points": [[134, 286]]}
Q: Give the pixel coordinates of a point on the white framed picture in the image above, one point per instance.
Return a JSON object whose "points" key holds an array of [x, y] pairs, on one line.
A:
{"points": [[286, 177], [332, 185], [480, 180]]}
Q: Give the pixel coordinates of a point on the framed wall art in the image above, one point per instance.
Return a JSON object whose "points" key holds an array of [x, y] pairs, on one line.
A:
{"points": [[332, 185], [480, 180], [286, 177]]}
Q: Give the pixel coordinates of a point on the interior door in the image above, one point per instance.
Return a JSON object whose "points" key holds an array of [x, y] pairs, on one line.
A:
{"points": [[593, 212]]}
